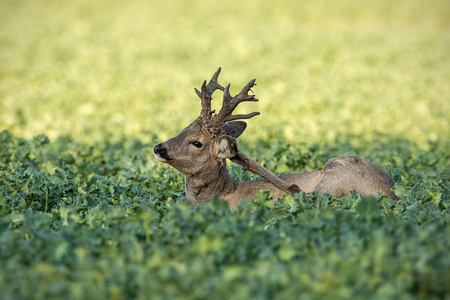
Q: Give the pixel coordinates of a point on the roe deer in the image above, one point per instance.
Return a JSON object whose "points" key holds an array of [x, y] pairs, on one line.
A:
{"points": [[199, 152]]}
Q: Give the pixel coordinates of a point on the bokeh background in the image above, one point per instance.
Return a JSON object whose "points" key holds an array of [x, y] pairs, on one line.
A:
{"points": [[95, 70]]}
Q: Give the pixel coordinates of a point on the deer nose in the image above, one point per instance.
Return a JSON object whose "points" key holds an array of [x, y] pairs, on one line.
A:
{"points": [[161, 153], [158, 149]]}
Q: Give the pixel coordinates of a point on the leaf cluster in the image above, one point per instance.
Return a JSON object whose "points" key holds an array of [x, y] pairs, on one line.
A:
{"points": [[79, 221]]}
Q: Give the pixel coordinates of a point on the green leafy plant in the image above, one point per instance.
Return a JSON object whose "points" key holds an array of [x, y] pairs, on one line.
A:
{"points": [[130, 233]]}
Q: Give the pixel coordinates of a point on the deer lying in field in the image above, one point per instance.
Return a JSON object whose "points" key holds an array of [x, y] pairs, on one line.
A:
{"points": [[199, 152]]}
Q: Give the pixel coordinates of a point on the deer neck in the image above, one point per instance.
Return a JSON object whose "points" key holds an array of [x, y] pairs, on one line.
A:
{"points": [[202, 186]]}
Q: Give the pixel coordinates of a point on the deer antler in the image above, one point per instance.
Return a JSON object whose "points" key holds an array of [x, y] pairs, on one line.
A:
{"points": [[228, 104], [206, 95]]}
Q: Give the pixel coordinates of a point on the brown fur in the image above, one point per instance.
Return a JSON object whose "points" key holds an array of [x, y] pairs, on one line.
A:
{"points": [[199, 152], [206, 174]]}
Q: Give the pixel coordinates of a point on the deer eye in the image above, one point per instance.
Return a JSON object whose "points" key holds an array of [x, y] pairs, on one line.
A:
{"points": [[196, 144]]}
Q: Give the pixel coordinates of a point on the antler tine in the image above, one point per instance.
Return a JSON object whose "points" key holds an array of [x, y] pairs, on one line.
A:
{"points": [[243, 95], [213, 84], [199, 94], [240, 117], [206, 92], [229, 104], [205, 97]]}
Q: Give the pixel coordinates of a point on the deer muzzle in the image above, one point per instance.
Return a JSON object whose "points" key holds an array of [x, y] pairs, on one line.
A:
{"points": [[161, 153]]}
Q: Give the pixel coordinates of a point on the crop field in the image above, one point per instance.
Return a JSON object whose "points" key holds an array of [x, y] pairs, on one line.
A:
{"points": [[87, 88]]}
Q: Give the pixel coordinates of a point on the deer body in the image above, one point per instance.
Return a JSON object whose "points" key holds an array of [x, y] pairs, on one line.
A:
{"points": [[200, 151]]}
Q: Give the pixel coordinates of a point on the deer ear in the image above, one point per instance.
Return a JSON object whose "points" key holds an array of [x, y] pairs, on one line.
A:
{"points": [[235, 129], [227, 147]]}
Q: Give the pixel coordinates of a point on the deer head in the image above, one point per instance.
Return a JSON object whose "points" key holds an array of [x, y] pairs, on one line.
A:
{"points": [[211, 138], [199, 150]]}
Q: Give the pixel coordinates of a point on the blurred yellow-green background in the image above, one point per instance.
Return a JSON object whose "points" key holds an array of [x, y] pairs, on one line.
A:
{"points": [[96, 70]]}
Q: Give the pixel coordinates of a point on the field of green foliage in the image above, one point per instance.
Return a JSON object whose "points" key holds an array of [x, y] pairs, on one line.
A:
{"points": [[87, 88]]}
